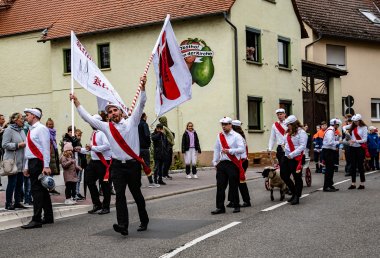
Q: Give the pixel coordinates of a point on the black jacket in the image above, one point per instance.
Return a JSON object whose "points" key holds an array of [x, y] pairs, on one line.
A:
{"points": [[186, 142], [144, 135], [160, 146]]}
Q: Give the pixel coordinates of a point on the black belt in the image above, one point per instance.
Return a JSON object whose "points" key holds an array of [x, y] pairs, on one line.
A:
{"points": [[129, 161]]}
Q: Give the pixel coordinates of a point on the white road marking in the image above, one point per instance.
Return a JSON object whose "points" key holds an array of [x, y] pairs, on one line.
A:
{"points": [[281, 204], [199, 239]]}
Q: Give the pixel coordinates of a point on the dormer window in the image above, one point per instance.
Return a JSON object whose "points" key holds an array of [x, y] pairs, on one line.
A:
{"points": [[371, 16]]}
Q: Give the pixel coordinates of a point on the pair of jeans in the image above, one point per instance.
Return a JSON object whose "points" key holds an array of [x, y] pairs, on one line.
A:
{"points": [[14, 188], [158, 170], [27, 190], [145, 155], [80, 173]]}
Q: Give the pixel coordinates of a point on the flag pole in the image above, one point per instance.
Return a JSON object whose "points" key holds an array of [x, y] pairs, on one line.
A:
{"points": [[147, 66], [72, 84]]}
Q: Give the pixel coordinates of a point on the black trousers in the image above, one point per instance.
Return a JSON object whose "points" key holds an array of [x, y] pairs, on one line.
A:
{"points": [[41, 196], [317, 159], [357, 162], [329, 157], [95, 171], [288, 167], [158, 168], [279, 154], [124, 174], [347, 156], [70, 190], [243, 188], [167, 163], [227, 173]]}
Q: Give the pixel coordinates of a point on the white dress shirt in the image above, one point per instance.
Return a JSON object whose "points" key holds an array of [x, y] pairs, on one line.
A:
{"points": [[127, 128], [40, 136], [244, 154], [329, 139], [299, 140], [276, 136], [236, 143], [102, 146], [363, 133]]}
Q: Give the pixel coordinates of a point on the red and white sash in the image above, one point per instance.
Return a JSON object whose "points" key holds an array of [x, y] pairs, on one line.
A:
{"points": [[363, 145], [102, 159], [33, 148], [125, 147], [299, 157], [233, 158], [280, 128]]}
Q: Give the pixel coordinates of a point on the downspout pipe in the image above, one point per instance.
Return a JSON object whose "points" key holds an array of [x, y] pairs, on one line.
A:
{"points": [[312, 43], [236, 64]]}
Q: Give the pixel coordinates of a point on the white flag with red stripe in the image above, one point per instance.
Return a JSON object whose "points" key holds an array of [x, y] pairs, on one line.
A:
{"points": [[173, 76], [88, 75]]}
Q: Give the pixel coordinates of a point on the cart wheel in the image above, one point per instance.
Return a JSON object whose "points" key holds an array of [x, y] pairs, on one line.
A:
{"points": [[267, 185], [308, 177]]}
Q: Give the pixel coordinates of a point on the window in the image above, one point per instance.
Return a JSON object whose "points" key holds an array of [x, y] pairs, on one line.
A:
{"points": [[375, 109], [287, 105], [370, 16], [67, 60], [283, 45], [104, 56], [253, 44], [336, 56], [254, 113]]}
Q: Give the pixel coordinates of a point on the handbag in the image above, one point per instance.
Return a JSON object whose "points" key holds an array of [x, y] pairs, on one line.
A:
{"points": [[8, 167]]}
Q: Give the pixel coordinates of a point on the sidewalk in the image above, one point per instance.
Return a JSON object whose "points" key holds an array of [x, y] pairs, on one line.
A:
{"points": [[180, 184]]}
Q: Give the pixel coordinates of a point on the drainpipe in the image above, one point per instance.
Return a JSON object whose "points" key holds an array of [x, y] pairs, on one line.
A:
{"points": [[309, 45], [236, 65]]}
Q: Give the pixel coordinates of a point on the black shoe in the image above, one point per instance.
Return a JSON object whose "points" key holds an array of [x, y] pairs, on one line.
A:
{"points": [[236, 210], [361, 187], [95, 208], [19, 206], [104, 211], [295, 201], [291, 198], [218, 211], [32, 224], [47, 221], [333, 187], [160, 182], [329, 190], [352, 187], [142, 227], [230, 205], [246, 204], [80, 196], [120, 229], [9, 207]]}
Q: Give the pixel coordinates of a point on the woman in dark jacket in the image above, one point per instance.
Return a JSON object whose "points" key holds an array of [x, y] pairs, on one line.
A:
{"points": [[160, 152], [190, 147]]}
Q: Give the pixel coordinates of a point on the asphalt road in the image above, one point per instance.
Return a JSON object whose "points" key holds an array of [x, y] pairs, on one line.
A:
{"points": [[341, 224]]}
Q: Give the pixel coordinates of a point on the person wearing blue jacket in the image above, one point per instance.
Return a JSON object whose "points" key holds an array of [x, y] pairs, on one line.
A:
{"points": [[373, 147]]}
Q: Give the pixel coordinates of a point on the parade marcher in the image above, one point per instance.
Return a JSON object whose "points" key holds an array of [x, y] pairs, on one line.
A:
{"points": [[295, 144], [100, 151], [54, 156], [70, 175], [228, 148], [160, 153], [277, 134], [126, 164], [37, 154], [3, 125], [318, 142], [358, 133], [338, 138], [243, 188], [373, 147], [170, 136], [190, 148], [346, 147], [144, 136], [13, 143], [329, 148]]}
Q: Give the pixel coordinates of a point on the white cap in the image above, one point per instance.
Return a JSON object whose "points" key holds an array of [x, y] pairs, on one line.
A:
{"points": [[280, 110], [109, 104], [290, 119], [335, 121], [371, 128], [97, 117], [225, 120], [236, 122], [33, 111], [356, 117]]}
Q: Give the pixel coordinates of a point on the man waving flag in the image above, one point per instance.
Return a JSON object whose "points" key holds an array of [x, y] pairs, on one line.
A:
{"points": [[173, 76]]}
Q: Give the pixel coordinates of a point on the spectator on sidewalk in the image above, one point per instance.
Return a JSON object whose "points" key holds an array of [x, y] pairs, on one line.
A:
{"points": [[373, 147], [160, 152], [3, 125], [54, 157], [82, 162], [144, 136], [190, 148], [70, 176], [170, 138], [13, 143]]}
